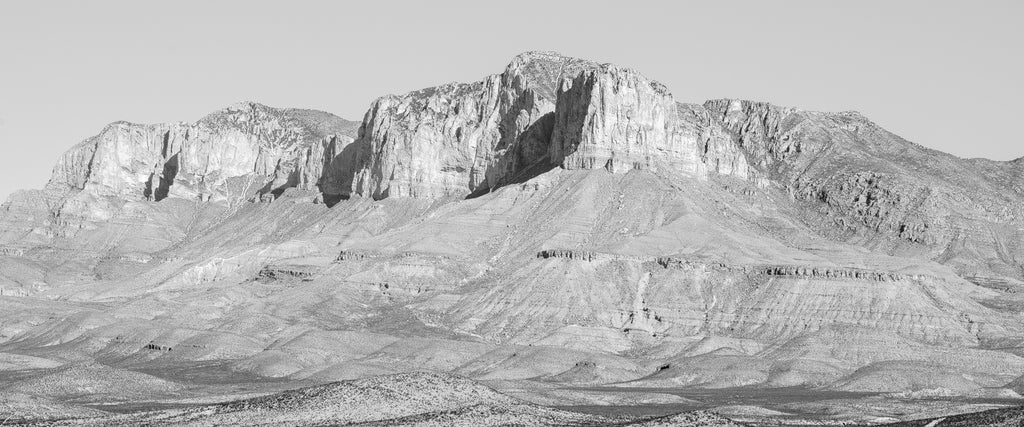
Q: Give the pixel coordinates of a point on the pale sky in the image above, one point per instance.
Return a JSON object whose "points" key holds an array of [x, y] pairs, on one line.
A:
{"points": [[944, 74]]}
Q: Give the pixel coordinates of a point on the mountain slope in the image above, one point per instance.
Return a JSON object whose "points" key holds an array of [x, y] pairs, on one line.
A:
{"points": [[562, 222], [862, 184], [406, 399]]}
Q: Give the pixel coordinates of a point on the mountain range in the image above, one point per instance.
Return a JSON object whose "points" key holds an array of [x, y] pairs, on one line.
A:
{"points": [[565, 232]]}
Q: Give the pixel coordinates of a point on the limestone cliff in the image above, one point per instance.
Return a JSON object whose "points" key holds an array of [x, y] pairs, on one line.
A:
{"points": [[224, 154], [614, 235], [718, 152], [459, 139], [848, 178], [616, 118], [544, 110]]}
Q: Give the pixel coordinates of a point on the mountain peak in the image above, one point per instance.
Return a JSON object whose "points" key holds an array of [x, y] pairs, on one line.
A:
{"points": [[573, 218], [250, 108], [250, 105], [548, 68], [540, 56]]}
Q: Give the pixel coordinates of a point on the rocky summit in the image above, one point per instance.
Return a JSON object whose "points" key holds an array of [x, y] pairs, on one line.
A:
{"points": [[564, 237]]}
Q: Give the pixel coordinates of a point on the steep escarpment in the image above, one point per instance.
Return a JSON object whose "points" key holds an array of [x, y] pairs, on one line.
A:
{"points": [[193, 171], [844, 176], [545, 110], [460, 139], [232, 153], [562, 223], [615, 118], [855, 181], [718, 152]]}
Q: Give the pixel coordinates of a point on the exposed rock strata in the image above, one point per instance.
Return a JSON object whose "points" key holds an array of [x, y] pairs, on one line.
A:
{"points": [[354, 255], [459, 139], [279, 272], [567, 254], [8, 251], [836, 273], [857, 181], [616, 118], [770, 270], [544, 110], [823, 255], [240, 150]]}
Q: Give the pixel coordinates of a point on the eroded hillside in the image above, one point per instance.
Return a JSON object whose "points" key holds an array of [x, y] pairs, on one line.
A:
{"points": [[564, 231]]}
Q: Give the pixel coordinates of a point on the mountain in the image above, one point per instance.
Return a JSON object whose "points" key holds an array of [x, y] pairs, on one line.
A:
{"points": [[206, 160], [560, 224]]}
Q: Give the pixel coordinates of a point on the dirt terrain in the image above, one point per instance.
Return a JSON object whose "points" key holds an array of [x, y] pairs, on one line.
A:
{"points": [[559, 243]]}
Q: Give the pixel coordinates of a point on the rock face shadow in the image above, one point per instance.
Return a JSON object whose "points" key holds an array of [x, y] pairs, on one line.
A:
{"points": [[336, 183], [530, 157], [166, 179]]}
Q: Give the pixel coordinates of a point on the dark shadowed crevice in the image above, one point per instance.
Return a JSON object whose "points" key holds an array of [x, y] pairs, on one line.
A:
{"points": [[540, 167], [167, 178], [148, 192], [293, 180], [332, 199], [336, 182], [530, 158], [479, 191]]}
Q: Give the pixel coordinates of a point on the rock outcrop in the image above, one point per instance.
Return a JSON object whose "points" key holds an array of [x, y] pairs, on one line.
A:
{"points": [[354, 255], [569, 254], [459, 139], [271, 273], [733, 243], [769, 133], [836, 273], [855, 181], [794, 271], [241, 150], [616, 118], [545, 110], [8, 251], [877, 202], [719, 153]]}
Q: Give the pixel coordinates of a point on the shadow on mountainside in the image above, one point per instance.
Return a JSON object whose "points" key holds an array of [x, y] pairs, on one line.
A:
{"points": [[531, 150], [166, 177], [336, 185]]}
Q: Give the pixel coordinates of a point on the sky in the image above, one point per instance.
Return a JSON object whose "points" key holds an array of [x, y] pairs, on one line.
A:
{"points": [[946, 75]]}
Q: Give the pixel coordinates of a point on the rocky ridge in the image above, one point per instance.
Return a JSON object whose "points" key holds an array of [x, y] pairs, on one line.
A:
{"points": [[545, 110], [561, 223], [207, 159]]}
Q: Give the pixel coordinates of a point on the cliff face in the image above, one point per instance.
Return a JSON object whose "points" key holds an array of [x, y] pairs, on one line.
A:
{"points": [[270, 149], [616, 118], [459, 139], [719, 152], [849, 179], [731, 242], [544, 110], [846, 177], [855, 181]]}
